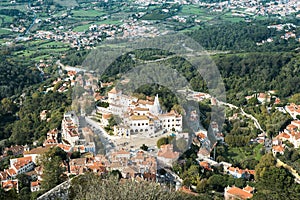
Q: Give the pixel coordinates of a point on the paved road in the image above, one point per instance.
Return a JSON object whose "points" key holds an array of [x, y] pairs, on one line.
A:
{"points": [[105, 139], [257, 125]]}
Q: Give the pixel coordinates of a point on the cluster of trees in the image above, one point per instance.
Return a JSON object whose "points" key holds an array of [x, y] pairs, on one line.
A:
{"points": [[273, 182], [248, 72], [28, 126], [53, 171], [91, 186], [239, 132], [179, 144], [291, 157], [15, 75], [242, 36], [272, 121]]}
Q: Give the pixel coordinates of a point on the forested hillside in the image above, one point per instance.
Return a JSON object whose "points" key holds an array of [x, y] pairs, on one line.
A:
{"points": [[244, 36], [15, 75]]}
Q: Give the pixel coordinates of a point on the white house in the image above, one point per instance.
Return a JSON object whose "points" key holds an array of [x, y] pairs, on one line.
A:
{"points": [[293, 110], [70, 124], [22, 165]]}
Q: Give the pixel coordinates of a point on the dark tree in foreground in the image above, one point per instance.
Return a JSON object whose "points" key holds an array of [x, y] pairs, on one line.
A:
{"points": [[91, 186]]}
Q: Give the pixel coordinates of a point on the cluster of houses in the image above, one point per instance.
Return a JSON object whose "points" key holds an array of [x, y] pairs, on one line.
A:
{"points": [[291, 133], [253, 8], [139, 116]]}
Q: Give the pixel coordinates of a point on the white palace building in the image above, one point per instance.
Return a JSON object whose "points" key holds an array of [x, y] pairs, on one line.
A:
{"points": [[140, 116]]}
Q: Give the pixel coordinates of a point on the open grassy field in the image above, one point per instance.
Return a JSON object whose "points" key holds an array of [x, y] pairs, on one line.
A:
{"points": [[192, 10], [87, 13], [82, 28], [4, 31], [240, 154], [68, 3]]}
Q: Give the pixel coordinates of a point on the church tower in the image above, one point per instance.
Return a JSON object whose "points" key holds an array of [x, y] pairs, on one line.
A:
{"points": [[156, 110]]}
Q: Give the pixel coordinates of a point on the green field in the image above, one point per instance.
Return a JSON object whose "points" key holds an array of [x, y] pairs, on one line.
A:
{"points": [[5, 18], [109, 21], [240, 154], [4, 31], [192, 10], [82, 28], [87, 13]]}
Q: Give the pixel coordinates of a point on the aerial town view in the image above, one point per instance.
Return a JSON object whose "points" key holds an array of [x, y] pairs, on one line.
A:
{"points": [[150, 99]]}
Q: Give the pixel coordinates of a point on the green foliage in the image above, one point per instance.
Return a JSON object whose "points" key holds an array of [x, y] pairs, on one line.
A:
{"points": [[91, 186], [15, 75], [144, 147], [75, 154], [295, 98], [164, 140], [181, 144], [241, 36], [52, 168], [266, 163], [102, 104], [271, 121], [29, 126]]}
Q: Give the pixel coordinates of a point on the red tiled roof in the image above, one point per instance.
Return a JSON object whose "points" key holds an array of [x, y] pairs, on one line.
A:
{"points": [[248, 189], [35, 183], [278, 148], [237, 192], [21, 162], [9, 184]]}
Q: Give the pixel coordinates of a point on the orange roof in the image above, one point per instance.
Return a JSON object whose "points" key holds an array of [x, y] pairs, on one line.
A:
{"points": [[201, 135], [205, 165], [11, 172], [237, 192], [291, 127], [141, 109], [38, 150], [140, 101], [113, 91], [21, 162], [35, 183], [166, 151], [278, 148], [139, 117], [236, 169], [106, 116], [248, 189], [64, 147], [283, 135], [9, 184], [122, 151], [187, 191]]}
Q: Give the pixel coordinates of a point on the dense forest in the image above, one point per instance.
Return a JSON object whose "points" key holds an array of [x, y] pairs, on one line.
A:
{"points": [[15, 74], [243, 36]]}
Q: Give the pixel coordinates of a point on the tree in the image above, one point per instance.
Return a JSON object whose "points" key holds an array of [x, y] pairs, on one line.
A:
{"points": [[295, 98], [161, 141], [52, 163], [202, 186], [91, 186], [144, 147], [181, 144], [217, 182], [266, 163]]}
